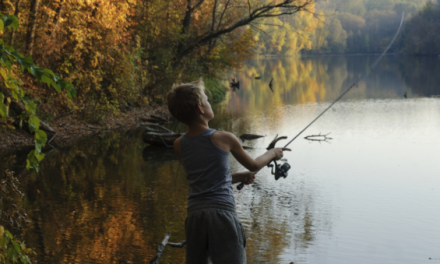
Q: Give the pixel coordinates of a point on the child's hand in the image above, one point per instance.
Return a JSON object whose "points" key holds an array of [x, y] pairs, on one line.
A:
{"points": [[248, 177], [279, 152]]}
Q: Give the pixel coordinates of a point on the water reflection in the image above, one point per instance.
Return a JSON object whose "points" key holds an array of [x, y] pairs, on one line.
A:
{"points": [[103, 203], [361, 199], [323, 79]]}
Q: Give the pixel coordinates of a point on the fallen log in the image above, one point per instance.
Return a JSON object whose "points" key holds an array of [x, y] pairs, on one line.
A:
{"points": [[160, 136]]}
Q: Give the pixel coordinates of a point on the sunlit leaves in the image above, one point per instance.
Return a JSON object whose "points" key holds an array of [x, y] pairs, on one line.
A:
{"points": [[10, 21], [9, 56], [12, 250], [31, 161], [3, 107], [34, 123]]}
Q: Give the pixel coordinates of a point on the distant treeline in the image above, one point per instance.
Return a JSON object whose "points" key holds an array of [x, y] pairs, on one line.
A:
{"points": [[354, 26], [367, 26]]}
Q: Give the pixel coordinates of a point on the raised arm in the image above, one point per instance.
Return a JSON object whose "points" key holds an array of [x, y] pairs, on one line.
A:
{"points": [[229, 142]]}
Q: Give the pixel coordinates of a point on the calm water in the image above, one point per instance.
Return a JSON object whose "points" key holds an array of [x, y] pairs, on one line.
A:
{"points": [[370, 195]]}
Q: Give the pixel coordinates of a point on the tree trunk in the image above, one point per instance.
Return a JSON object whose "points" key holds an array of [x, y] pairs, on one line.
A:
{"points": [[57, 18], [17, 10], [30, 38]]}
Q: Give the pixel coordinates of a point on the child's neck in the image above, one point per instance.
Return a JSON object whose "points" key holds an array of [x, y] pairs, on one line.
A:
{"points": [[197, 128]]}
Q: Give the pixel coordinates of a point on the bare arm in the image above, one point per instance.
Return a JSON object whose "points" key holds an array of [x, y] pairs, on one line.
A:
{"points": [[247, 177], [229, 142]]}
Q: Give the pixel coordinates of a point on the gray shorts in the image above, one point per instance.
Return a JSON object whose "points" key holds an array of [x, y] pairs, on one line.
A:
{"points": [[214, 233]]}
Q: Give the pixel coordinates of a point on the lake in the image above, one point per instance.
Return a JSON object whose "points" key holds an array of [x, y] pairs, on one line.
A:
{"points": [[370, 194]]}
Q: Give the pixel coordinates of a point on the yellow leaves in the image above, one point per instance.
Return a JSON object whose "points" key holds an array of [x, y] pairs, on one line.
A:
{"points": [[95, 62]]}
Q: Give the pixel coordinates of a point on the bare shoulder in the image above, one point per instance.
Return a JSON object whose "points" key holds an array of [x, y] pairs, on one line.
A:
{"points": [[224, 140], [224, 135]]}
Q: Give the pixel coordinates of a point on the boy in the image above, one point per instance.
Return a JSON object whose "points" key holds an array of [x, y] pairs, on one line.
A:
{"points": [[212, 228]]}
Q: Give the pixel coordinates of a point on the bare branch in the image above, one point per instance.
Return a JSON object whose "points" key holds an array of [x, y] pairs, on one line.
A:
{"points": [[320, 138], [286, 7], [213, 16], [221, 17]]}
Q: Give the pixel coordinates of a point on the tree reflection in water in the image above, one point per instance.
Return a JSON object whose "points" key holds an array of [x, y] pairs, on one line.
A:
{"points": [[109, 198], [103, 203]]}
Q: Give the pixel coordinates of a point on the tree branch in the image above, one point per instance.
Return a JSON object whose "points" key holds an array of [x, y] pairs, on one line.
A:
{"points": [[223, 13], [287, 7]]}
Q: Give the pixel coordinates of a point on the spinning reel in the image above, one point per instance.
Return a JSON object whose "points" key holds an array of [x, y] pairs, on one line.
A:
{"points": [[278, 170]]}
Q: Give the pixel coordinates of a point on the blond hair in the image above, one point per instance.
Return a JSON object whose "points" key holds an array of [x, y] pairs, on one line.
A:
{"points": [[183, 100]]}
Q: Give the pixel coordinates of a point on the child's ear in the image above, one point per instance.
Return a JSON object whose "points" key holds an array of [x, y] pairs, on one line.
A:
{"points": [[200, 109]]}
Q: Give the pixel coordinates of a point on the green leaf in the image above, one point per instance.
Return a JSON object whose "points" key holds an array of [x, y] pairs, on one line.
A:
{"points": [[22, 117], [2, 50], [26, 100], [34, 123], [36, 71], [41, 136], [3, 243], [16, 246], [2, 97], [57, 77], [68, 86], [2, 25], [3, 110], [15, 95], [40, 141], [15, 22], [8, 235], [24, 61], [56, 86], [28, 60], [39, 156], [11, 253], [49, 73], [6, 64], [31, 161], [16, 55], [31, 107]]}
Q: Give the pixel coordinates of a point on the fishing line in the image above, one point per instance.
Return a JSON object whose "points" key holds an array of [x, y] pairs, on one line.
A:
{"points": [[281, 170], [354, 84]]}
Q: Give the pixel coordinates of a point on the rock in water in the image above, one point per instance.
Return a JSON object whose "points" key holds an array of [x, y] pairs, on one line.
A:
{"points": [[249, 137]]}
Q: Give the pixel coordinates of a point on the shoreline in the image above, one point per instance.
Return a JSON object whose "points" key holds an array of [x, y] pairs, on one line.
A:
{"points": [[301, 56], [72, 128]]}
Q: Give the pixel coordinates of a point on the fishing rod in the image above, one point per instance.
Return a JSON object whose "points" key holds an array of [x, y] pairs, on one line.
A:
{"points": [[281, 170]]}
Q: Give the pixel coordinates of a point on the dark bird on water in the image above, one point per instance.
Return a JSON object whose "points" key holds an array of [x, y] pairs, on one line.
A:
{"points": [[249, 137], [235, 84], [405, 95], [270, 85]]}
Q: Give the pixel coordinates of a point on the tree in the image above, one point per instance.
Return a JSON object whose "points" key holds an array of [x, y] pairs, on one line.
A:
{"points": [[337, 37], [246, 15]]}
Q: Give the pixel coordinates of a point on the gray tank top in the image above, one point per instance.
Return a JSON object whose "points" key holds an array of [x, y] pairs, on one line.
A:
{"points": [[207, 169]]}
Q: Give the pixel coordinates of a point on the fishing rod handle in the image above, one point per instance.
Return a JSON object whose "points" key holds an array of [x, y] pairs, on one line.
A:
{"points": [[241, 185]]}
